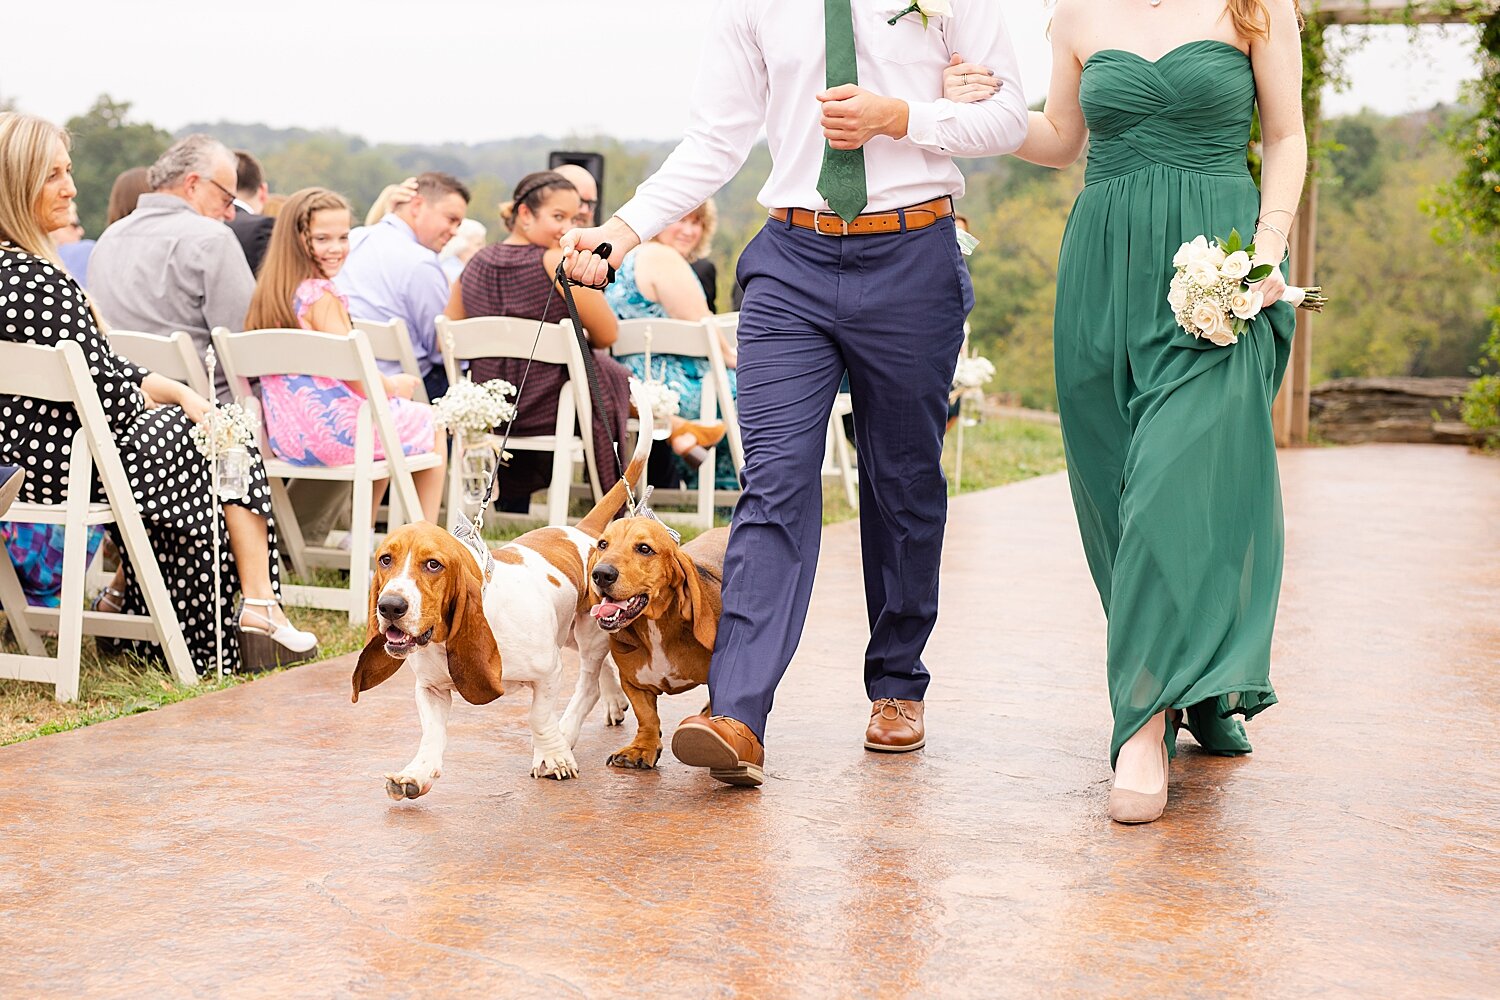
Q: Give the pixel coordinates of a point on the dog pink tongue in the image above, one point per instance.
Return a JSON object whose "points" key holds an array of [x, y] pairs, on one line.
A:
{"points": [[394, 634], [605, 609]]}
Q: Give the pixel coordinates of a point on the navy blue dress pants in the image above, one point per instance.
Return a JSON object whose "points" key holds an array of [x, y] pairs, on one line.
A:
{"points": [[888, 310]]}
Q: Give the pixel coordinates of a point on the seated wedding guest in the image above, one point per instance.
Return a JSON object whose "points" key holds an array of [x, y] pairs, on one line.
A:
{"points": [[693, 236], [656, 281], [125, 192], [393, 269], [588, 192], [515, 278], [310, 420], [172, 264], [72, 249], [251, 226], [461, 249], [150, 417]]}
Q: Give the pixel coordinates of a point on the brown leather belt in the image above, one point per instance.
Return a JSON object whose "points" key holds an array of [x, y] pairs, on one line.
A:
{"points": [[829, 224]]}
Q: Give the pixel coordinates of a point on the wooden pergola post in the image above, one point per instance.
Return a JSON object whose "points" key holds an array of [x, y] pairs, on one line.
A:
{"points": [[1290, 412]]}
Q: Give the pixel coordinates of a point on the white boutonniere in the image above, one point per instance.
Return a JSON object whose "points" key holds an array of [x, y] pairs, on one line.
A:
{"points": [[925, 9]]}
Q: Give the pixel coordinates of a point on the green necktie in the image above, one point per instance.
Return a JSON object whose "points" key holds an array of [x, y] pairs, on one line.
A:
{"points": [[842, 179]]}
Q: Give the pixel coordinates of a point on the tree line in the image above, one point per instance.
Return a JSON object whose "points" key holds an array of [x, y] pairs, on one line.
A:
{"points": [[1402, 303]]}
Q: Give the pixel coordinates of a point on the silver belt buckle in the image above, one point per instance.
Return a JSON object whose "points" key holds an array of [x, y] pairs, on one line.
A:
{"points": [[818, 223]]}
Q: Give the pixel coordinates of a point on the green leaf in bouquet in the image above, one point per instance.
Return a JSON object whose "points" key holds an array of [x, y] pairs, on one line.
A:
{"points": [[1259, 272], [1235, 243]]}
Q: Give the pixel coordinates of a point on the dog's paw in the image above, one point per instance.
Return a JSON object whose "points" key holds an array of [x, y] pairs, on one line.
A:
{"points": [[560, 766], [404, 786], [615, 707], [635, 758]]}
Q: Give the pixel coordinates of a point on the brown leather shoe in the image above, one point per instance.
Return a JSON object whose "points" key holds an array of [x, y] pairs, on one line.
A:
{"points": [[725, 746], [895, 726]]}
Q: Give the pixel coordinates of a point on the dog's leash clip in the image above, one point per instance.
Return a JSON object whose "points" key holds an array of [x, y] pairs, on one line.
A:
{"points": [[643, 509], [467, 532]]}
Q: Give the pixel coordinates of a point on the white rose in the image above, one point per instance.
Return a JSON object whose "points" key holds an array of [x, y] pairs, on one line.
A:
{"points": [[1177, 294], [1235, 266], [1203, 273], [935, 8], [1216, 255], [1206, 316], [1247, 303], [1183, 255], [1222, 334]]}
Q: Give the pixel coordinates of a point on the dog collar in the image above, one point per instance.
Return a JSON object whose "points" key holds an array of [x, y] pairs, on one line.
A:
{"points": [[466, 532]]}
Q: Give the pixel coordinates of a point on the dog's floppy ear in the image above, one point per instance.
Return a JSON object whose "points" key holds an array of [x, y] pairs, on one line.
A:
{"points": [[694, 602], [374, 665], [473, 657]]}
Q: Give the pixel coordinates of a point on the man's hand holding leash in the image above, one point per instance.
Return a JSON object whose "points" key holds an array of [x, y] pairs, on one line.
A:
{"points": [[584, 267]]}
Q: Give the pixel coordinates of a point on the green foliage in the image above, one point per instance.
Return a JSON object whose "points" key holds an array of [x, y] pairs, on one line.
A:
{"points": [[1400, 304], [1015, 283], [1480, 406], [1356, 162], [106, 143]]}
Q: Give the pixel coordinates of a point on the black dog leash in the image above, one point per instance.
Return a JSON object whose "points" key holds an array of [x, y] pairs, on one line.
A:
{"points": [[590, 368]]}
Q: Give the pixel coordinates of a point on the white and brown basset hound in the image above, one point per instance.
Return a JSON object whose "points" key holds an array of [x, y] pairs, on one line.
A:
{"points": [[469, 620]]}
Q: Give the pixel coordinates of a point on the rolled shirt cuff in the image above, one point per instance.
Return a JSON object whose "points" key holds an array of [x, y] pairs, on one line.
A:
{"points": [[641, 219]]}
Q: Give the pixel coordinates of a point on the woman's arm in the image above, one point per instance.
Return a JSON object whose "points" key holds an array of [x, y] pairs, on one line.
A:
{"points": [[165, 392], [598, 319], [1055, 136], [665, 276], [455, 310], [1278, 90]]}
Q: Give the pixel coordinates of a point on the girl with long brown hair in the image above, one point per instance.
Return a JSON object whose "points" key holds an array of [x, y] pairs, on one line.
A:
{"points": [[150, 417], [310, 420], [1168, 437]]}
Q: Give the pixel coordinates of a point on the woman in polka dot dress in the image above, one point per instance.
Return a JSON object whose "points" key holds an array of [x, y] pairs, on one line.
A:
{"points": [[149, 414]]}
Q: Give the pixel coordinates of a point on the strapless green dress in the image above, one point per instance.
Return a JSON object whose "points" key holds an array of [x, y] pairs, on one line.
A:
{"points": [[1170, 452]]}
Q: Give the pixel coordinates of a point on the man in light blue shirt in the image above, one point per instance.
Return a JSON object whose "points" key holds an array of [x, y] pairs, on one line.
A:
{"points": [[393, 270]]}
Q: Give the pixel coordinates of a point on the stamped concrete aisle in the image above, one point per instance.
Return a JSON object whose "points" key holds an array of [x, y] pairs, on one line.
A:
{"points": [[241, 844]]}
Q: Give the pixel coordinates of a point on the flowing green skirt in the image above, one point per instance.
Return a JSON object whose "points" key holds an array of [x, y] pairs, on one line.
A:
{"points": [[1171, 457]]}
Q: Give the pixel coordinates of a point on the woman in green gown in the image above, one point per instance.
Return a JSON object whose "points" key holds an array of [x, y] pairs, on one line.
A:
{"points": [[1170, 451]]}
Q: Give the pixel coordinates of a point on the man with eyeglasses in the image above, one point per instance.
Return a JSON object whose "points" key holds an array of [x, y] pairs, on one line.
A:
{"points": [[588, 192], [172, 264]]}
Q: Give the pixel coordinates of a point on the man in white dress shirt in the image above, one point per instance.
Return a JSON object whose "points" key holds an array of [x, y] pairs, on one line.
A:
{"points": [[856, 270]]}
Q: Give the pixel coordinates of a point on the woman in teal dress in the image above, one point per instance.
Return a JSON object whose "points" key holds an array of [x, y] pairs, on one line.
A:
{"points": [[657, 282], [1170, 452]]}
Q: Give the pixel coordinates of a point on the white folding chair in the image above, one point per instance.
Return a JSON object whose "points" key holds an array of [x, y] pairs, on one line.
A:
{"points": [[258, 353], [837, 457], [60, 374], [391, 341], [557, 344], [176, 357], [694, 340]]}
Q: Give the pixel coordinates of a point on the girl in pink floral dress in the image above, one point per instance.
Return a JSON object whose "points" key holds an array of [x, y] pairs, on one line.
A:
{"points": [[310, 420]]}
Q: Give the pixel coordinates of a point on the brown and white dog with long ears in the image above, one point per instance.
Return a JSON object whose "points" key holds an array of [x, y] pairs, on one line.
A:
{"points": [[466, 619], [659, 602]]}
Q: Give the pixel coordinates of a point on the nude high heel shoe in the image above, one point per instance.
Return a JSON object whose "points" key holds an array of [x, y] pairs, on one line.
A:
{"points": [[1130, 807], [265, 645]]}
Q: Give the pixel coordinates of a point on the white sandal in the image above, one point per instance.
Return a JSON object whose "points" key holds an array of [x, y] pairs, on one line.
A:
{"points": [[267, 645]]}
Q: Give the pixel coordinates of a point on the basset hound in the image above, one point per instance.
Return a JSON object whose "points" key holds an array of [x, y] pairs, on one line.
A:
{"points": [[659, 604], [468, 619]]}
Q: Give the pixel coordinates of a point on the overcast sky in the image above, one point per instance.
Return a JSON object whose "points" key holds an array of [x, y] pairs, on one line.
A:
{"points": [[472, 70]]}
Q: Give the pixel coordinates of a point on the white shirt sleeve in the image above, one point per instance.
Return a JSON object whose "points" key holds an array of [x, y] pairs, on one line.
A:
{"points": [[992, 127], [727, 115]]}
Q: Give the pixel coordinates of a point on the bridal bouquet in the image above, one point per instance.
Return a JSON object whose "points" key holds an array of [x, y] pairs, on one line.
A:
{"points": [[665, 401], [972, 373], [472, 409], [1211, 294]]}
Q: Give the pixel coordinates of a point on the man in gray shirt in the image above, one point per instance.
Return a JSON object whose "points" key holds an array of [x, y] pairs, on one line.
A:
{"points": [[172, 264]]}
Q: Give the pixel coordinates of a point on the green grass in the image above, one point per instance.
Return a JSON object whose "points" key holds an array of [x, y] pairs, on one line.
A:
{"points": [[996, 452]]}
